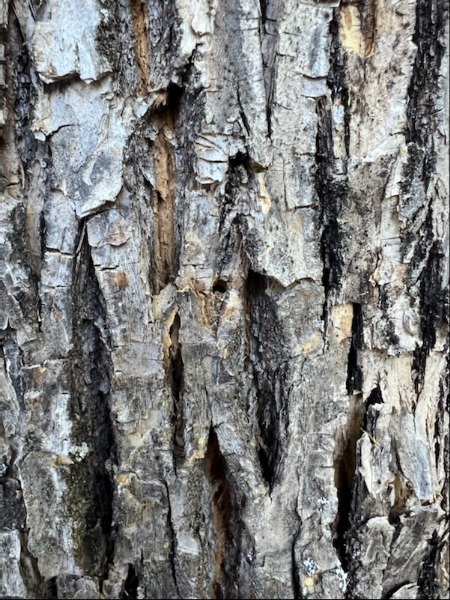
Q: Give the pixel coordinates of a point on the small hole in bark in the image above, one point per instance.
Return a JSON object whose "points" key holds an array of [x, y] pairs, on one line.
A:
{"points": [[220, 285]]}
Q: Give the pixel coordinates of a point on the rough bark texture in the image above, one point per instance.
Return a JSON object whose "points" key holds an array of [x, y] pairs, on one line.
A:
{"points": [[224, 299]]}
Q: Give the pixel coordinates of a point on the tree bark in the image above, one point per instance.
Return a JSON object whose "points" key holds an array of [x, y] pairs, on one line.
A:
{"points": [[224, 299]]}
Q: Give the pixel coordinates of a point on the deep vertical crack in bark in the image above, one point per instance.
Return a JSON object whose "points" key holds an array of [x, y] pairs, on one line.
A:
{"points": [[90, 480], [354, 372], [173, 542], [234, 549], [177, 383], [332, 191], [431, 17], [130, 586], [345, 472], [269, 371], [296, 587]]}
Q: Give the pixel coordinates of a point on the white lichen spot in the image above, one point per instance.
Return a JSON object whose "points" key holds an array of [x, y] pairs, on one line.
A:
{"points": [[322, 501], [311, 567], [80, 452]]}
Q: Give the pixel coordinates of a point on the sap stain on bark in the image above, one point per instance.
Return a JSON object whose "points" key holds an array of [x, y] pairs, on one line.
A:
{"points": [[151, 177], [140, 27], [359, 26], [234, 547]]}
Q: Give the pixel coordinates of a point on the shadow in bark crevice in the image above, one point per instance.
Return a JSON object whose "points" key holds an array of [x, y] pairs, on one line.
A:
{"points": [[234, 548], [176, 374], [354, 371], [130, 585], [90, 480], [268, 367]]}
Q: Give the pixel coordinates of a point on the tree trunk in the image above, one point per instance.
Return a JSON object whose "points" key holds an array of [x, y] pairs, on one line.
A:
{"points": [[224, 310]]}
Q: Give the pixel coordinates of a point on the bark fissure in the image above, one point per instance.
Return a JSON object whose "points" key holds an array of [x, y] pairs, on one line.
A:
{"points": [[427, 576], [332, 193], [173, 543], [177, 386], [431, 16], [35, 584], [269, 372], [90, 480], [345, 474], [234, 549], [131, 585], [354, 371], [296, 587], [432, 312]]}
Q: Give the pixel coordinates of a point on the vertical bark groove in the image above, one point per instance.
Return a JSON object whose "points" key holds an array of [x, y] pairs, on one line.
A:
{"points": [[90, 479], [233, 546], [268, 369]]}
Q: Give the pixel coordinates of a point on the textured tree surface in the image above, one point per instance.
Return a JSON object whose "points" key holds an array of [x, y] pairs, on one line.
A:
{"points": [[224, 299]]}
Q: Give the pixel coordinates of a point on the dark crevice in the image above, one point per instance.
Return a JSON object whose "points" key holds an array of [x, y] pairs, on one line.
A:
{"points": [[349, 487], [269, 118], [354, 371], [432, 312], [332, 194], [269, 372], [337, 76], [242, 113], [296, 587], [21, 73], [395, 588], [370, 416], [42, 233], [90, 481], [173, 100], [422, 123], [165, 253], [220, 286], [173, 543], [234, 549], [177, 386], [263, 6], [431, 18], [330, 183], [441, 433], [238, 172], [427, 580], [52, 589], [130, 586], [37, 586], [347, 483]]}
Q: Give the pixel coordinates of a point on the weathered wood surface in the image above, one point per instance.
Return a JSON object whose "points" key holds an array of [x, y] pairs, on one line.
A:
{"points": [[224, 299]]}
